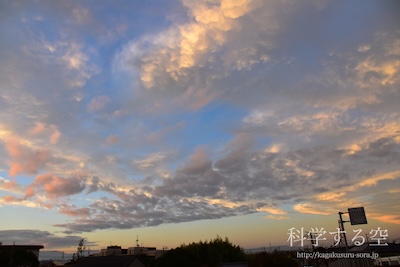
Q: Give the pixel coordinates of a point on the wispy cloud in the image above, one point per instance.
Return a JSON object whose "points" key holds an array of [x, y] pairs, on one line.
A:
{"points": [[309, 208]]}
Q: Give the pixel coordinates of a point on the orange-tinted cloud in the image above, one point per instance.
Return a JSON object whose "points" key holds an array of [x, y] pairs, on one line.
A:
{"points": [[55, 134], [388, 218], [24, 159], [9, 198], [272, 210], [55, 186], [331, 196], [48, 206], [39, 128], [311, 209], [169, 57], [30, 191], [373, 181], [49, 129], [10, 184], [81, 212]]}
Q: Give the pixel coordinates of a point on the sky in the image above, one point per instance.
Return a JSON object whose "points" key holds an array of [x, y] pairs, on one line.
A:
{"points": [[179, 121]]}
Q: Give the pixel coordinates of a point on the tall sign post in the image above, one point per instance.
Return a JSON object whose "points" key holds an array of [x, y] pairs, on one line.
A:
{"points": [[357, 216], [341, 222]]}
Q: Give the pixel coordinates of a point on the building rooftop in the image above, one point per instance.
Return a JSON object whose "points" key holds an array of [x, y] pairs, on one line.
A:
{"points": [[21, 246]]}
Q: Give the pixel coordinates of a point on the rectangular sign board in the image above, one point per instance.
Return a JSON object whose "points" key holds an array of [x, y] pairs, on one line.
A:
{"points": [[357, 216]]}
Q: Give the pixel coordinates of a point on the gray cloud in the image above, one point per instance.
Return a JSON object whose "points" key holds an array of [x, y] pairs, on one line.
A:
{"points": [[240, 183], [38, 237]]}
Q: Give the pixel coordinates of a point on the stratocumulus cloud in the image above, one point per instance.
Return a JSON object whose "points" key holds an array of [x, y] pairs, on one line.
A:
{"points": [[253, 181], [214, 109]]}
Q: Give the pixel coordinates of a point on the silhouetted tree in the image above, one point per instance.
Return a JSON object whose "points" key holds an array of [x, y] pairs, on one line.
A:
{"points": [[80, 249], [79, 252], [179, 257], [210, 253]]}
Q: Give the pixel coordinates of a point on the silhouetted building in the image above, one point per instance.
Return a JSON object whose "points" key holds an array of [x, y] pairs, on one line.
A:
{"points": [[29, 248], [133, 251], [113, 250], [148, 251]]}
